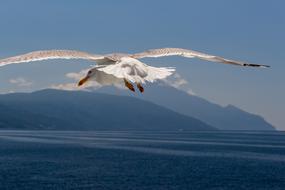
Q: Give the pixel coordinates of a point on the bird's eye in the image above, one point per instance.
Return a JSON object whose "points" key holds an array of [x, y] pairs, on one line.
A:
{"points": [[89, 72]]}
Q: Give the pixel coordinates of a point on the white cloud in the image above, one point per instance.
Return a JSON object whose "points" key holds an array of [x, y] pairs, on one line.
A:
{"points": [[77, 76], [21, 82], [178, 82], [90, 85], [190, 92]]}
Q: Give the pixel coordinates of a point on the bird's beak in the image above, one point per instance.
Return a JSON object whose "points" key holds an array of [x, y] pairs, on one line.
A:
{"points": [[84, 80]]}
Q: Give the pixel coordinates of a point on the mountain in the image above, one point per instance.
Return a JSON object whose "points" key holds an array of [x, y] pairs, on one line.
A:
{"points": [[224, 118], [71, 110]]}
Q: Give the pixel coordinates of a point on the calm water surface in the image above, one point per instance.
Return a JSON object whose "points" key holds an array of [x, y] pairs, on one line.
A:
{"points": [[141, 160]]}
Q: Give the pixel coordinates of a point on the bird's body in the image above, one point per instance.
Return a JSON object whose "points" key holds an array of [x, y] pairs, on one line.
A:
{"points": [[105, 79], [116, 68], [128, 70], [135, 71]]}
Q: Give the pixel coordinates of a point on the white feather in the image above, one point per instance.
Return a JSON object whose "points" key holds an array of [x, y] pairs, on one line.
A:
{"points": [[136, 71], [50, 54]]}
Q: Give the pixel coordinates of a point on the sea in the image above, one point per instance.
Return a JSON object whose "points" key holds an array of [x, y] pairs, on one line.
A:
{"points": [[142, 160]]}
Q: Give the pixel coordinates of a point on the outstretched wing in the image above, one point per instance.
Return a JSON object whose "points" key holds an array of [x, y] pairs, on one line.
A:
{"points": [[50, 54], [190, 54]]}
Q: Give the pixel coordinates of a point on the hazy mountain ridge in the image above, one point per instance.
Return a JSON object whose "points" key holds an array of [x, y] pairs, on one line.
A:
{"points": [[74, 110], [224, 118]]}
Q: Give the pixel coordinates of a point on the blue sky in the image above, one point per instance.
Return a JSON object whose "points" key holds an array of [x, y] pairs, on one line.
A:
{"points": [[252, 31]]}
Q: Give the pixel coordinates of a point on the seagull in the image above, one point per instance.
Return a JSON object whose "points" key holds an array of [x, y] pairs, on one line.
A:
{"points": [[120, 67]]}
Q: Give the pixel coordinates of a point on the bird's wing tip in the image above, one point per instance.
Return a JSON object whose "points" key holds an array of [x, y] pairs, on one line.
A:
{"points": [[265, 66], [256, 65]]}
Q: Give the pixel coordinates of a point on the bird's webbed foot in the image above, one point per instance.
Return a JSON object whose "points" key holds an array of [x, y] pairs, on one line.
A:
{"points": [[129, 85], [140, 87]]}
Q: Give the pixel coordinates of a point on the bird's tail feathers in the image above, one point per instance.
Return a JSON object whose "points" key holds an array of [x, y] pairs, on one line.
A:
{"points": [[155, 73]]}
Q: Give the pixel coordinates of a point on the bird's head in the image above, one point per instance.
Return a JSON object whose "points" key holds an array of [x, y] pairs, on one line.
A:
{"points": [[89, 75]]}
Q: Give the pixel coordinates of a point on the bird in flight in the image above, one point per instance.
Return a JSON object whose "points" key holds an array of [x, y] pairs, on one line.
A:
{"points": [[118, 67]]}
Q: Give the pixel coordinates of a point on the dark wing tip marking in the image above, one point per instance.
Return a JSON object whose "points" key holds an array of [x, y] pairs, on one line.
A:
{"points": [[255, 65]]}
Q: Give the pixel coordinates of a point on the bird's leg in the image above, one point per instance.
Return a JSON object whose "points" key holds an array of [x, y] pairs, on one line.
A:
{"points": [[129, 85], [140, 87]]}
